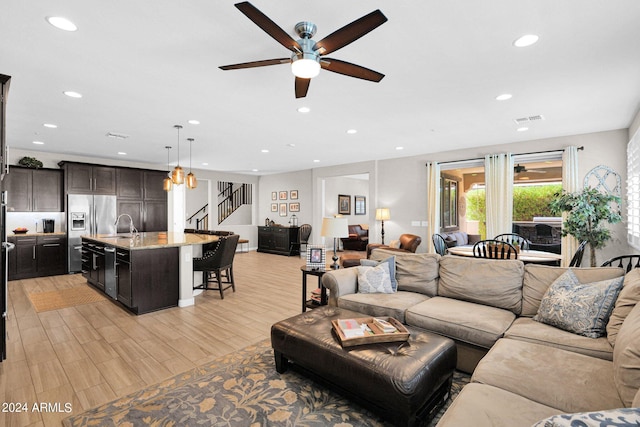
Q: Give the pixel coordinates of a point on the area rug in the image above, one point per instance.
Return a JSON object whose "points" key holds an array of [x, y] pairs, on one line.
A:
{"points": [[54, 300], [240, 389]]}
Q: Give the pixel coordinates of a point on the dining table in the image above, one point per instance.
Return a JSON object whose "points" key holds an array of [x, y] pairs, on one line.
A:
{"points": [[524, 255]]}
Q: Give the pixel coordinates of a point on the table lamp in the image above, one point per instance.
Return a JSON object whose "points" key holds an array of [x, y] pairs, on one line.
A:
{"points": [[336, 228], [383, 214]]}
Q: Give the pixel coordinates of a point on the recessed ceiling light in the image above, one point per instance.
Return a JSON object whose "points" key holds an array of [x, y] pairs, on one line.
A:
{"points": [[523, 129], [316, 161], [254, 170], [291, 145], [122, 153], [304, 110], [504, 97], [72, 94], [526, 40], [38, 142], [194, 122], [61, 23], [352, 131], [205, 164], [264, 151], [399, 148], [50, 125]]}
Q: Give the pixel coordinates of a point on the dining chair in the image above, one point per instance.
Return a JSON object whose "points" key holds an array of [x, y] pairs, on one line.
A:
{"points": [[495, 249], [303, 237], [624, 261], [217, 265], [514, 239], [577, 256], [439, 244]]}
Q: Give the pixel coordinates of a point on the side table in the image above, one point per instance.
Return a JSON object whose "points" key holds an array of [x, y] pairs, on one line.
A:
{"points": [[323, 292]]}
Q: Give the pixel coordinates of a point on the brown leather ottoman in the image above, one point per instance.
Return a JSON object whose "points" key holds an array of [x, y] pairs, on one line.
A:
{"points": [[351, 260], [403, 382]]}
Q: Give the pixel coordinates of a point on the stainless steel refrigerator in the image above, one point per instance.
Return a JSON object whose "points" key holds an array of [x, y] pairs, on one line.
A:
{"points": [[87, 214]]}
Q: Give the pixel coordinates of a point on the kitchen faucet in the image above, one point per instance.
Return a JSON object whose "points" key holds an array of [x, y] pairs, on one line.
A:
{"points": [[132, 230]]}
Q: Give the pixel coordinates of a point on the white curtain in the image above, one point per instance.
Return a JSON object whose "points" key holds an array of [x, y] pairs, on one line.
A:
{"points": [[570, 183], [498, 173], [433, 203]]}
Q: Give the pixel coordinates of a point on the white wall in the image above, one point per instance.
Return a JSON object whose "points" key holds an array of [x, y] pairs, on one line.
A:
{"points": [[351, 187]]}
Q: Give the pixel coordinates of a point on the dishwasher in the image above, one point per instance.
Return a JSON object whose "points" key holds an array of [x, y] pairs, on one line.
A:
{"points": [[110, 284]]}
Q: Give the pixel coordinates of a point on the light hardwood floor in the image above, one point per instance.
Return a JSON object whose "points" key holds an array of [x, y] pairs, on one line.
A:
{"points": [[91, 354]]}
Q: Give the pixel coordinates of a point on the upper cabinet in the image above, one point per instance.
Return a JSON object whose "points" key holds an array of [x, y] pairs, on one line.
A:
{"points": [[130, 183], [153, 189], [34, 190], [81, 178]]}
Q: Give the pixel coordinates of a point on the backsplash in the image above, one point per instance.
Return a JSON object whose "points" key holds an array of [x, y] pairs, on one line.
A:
{"points": [[33, 221]]}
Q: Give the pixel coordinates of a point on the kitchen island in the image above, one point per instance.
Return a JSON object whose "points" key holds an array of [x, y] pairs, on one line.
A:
{"points": [[146, 272]]}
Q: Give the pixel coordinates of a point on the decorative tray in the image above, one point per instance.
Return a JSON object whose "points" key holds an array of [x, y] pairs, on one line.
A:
{"points": [[22, 231], [374, 334]]}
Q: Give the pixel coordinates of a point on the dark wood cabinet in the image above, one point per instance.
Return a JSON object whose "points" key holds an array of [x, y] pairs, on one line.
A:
{"points": [[81, 178], [155, 215], [123, 277], [34, 190], [93, 269], [278, 240], [130, 183], [37, 256], [153, 189], [133, 208]]}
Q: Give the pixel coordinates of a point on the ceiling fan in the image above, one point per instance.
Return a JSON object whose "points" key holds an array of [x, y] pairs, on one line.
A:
{"points": [[517, 169], [308, 55]]}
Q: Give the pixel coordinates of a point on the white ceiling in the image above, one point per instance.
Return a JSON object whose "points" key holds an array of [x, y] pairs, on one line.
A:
{"points": [[143, 66]]}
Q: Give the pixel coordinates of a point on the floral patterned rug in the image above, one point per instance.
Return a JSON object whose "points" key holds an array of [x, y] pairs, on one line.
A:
{"points": [[239, 389]]}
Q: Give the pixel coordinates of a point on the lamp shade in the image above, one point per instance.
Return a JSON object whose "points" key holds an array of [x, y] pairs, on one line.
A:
{"points": [[335, 227], [383, 214]]}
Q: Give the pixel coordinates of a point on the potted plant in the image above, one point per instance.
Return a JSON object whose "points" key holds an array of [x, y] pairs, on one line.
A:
{"points": [[588, 212], [30, 162]]}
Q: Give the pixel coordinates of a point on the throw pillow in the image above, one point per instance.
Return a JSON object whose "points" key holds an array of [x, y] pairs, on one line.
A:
{"points": [[395, 244], [374, 280], [628, 298], [392, 268], [583, 309], [612, 417]]}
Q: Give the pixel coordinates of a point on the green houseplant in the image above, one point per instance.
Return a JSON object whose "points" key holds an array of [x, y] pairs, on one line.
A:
{"points": [[588, 212], [30, 162]]}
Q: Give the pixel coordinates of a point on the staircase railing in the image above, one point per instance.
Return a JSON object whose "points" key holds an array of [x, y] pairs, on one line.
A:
{"points": [[232, 199], [203, 222]]}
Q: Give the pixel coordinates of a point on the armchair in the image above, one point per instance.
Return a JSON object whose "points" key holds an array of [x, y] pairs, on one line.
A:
{"points": [[408, 243], [357, 240]]}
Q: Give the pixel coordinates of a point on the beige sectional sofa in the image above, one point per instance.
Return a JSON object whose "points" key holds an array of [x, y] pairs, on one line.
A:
{"points": [[523, 370]]}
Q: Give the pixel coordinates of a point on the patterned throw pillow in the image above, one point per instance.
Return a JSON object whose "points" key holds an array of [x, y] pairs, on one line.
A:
{"points": [[374, 280], [623, 417], [583, 309], [392, 268]]}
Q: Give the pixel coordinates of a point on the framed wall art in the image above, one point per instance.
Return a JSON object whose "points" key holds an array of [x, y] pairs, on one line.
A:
{"points": [[274, 207], [316, 257], [283, 195], [293, 194], [294, 207], [283, 209], [360, 207], [274, 195], [344, 204]]}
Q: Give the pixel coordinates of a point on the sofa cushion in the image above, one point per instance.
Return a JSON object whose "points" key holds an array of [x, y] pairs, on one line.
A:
{"points": [[569, 381], [613, 417], [538, 278], [628, 298], [526, 329], [414, 272], [626, 357], [472, 323], [392, 268], [481, 405], [576, 307], [372, 280], [394, 305], [497, 283]]}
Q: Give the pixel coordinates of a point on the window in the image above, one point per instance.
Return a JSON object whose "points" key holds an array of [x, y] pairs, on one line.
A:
{"points": [[633, 191], [449, 203]]}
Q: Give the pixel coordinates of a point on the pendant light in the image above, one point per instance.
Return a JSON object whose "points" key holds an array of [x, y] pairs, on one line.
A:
{"points": [[178, 174], [167, 184], [191, 178]]}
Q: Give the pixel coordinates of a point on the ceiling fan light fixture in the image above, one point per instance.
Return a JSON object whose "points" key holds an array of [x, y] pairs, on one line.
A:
{"points": [[305, 65]]}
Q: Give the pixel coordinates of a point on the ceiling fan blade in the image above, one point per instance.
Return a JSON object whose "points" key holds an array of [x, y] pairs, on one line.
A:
{"points": [[269, 27], [351, 70], [302, 86], [350, 32], [254, 64]]}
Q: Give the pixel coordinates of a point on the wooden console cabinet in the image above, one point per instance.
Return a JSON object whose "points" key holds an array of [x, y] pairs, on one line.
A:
{"points": [[278, 240]]}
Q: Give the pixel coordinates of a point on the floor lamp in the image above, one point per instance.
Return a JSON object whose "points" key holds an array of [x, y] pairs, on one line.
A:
{"points": [[383, 214], [336, 228]]}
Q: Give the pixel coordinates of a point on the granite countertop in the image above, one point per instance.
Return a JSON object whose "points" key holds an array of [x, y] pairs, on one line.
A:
{"points": [[152, 240], [31, 234]]}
